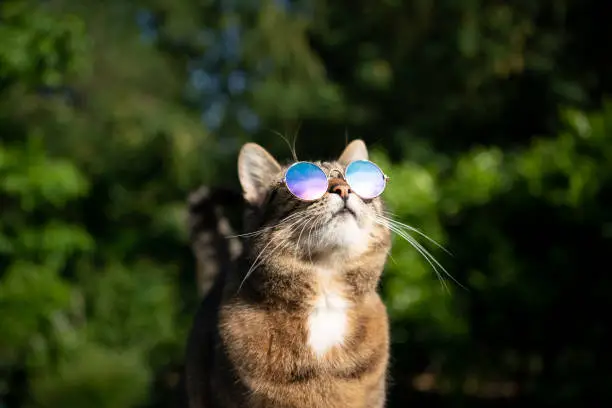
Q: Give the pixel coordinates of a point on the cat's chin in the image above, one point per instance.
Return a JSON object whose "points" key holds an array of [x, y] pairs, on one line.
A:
{"points": [[343, 235]]}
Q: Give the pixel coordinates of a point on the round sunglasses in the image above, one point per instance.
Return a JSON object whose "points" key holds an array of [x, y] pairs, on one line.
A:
{"points": [[308, 182]]}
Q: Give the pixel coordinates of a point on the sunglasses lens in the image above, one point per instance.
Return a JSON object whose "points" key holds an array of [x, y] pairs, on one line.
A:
{"points": [[306, 181], [365, 178]]}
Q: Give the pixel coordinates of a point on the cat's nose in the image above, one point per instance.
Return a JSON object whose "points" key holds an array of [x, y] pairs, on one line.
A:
{"points": [[340, 187]]}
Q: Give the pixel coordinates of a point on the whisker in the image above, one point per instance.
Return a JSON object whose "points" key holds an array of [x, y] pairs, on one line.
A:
{"points": [[391, 257], [269, 227], [308, 242], [252, 268], [427, 237], [314, 227], [297, 245], [291, 148], [411, 241], [295, 136], [427, 256], [256, 264], [398, 228]]}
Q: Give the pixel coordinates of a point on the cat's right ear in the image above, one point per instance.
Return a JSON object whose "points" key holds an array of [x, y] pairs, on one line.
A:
{"points": [[356, 150], [256, 170]]}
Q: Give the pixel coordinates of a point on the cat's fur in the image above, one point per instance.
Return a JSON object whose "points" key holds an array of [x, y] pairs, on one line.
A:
{"points": [[306, 328]]}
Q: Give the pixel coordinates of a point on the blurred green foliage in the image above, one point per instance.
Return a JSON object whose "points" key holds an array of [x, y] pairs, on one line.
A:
{"points": [[490, 118]]}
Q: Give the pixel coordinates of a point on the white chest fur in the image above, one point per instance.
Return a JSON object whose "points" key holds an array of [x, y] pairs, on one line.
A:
{"points": [[327, 322]]}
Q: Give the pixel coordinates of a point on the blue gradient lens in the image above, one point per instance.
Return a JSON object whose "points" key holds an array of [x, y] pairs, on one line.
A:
{"points": [[365, 179], [306, 181]]}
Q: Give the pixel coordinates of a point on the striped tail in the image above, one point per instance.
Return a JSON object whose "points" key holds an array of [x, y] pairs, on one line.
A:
{"points": [[209, 215], [210, 233]]}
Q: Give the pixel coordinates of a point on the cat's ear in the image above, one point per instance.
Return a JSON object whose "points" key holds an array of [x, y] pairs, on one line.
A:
{"points": [[356, 150], [256, 170]]}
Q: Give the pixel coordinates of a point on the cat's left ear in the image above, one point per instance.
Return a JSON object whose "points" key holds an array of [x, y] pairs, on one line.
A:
{"points": [[356, 150], [256, 171]]}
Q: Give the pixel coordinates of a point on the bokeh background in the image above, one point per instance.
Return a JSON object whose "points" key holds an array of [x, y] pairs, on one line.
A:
{"points": [[491, 118]]}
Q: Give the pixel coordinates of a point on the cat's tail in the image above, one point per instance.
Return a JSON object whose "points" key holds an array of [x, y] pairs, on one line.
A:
{"points": [[210, 233], [209, 213]]}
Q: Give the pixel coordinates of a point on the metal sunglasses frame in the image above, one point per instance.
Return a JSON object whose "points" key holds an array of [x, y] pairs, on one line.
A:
{"points": [[385, 177]]}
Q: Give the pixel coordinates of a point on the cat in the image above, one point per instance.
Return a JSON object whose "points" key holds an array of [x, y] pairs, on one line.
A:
{"points": [[295, 321]]}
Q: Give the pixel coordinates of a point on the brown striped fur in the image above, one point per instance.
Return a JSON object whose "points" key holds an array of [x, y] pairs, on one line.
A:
{"points": [[250, 344]]}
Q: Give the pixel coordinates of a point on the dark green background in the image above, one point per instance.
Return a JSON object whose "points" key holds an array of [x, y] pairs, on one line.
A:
{"points": [[489, 116]]}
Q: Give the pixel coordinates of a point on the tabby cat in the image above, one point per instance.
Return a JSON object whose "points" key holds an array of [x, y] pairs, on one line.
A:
{"points": [[296, 322]]}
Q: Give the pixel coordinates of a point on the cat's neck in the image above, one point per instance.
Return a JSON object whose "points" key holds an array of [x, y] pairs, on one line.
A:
{"points": [[296, 284]]}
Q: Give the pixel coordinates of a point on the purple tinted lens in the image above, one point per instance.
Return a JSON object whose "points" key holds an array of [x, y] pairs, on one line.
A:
{"points": [[306, 181], [365, 178]]}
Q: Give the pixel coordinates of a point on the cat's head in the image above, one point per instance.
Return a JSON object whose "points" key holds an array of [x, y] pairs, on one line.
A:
{"points": [[339, 224]]}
